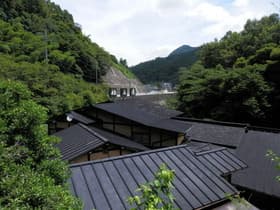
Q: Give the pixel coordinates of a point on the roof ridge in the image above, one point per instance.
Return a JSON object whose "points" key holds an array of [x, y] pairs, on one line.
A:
{"points": [[232, 124], [129, 155], [211, 121], [93, 132], [210, 151]]}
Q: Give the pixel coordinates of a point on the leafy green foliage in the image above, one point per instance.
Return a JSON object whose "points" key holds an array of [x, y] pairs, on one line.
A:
{"points": [[32, 175], [41, 46], [31, 27], [155, 195], [255, 36], [237, 78], [275, 158], [129, 74], [239, 202], [53, 89], [237, 95], [164, 69]]}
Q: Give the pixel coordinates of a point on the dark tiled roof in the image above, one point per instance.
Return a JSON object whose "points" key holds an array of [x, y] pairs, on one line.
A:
{"points": [[77, 140], [172, 125], [106, 184], [80, 118], [216, 134], [146, 113], [251, 147], [80, 139], [221, 160], [260, 174]]}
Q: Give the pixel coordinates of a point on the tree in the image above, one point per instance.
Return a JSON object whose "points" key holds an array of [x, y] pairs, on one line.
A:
{"points": [[236, 95], [236, 78], [275, 158], [32, 175], [123, 62], [156, 194]]}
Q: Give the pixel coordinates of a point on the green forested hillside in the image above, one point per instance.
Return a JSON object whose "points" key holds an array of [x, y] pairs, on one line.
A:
{"points": [[41, 46], [37, 25], [38, 42], [238, 77], [165, 69]]}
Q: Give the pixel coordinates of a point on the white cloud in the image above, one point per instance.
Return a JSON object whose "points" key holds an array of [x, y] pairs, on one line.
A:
{"points": [[144, 29], [241, 3]]}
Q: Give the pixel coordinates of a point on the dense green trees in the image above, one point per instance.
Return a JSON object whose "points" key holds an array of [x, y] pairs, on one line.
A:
{"points": [[237, 78], [32, 176], [41, 46], [237, 95], [31, 27], [53, 89]]}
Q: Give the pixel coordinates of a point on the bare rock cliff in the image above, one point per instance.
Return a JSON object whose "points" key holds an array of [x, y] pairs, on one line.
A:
{"points": [[116, 79]]}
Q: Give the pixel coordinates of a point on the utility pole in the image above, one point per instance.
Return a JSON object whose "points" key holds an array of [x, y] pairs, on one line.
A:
{"points": [[96, 79], [46, 47]]}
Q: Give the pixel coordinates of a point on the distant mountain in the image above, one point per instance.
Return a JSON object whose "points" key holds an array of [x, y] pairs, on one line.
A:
{"points": [[166, 69], [182, 49]]}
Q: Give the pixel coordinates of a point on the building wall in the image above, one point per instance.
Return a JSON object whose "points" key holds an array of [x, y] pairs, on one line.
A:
{"points": [[145, 135], [123, 130], [180, 138], [82, 158], [97, 155], [59, 125]]}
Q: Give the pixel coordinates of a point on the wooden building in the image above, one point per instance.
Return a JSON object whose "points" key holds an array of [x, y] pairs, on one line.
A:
{"points": [[80, 143], [143, 122], [66, 120]]}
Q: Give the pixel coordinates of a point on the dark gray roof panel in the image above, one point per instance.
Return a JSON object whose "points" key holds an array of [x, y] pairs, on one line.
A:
{"points": [[81, 187], [111, 181], [218, 159], [208, 172], [260, 174], [216, 134], [172, 125], [80, 139], [77, 140], [146, 113], [250, 147]]}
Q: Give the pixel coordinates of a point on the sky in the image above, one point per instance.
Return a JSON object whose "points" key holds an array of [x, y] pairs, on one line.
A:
{"points": [[140, 30]]}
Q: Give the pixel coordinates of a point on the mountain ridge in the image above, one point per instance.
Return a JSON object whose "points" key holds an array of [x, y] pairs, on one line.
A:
{"points": [[182, 49], [166, 69]]}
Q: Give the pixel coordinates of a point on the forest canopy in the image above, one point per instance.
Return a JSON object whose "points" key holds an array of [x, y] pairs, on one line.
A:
{"points": [[42, 46], [32, 174], [236, 78]]}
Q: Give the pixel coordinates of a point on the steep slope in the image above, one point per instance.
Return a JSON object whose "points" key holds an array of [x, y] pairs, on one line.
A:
{"points": [[117, 79], [50, 34], [42, 46], [165, 69]]}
